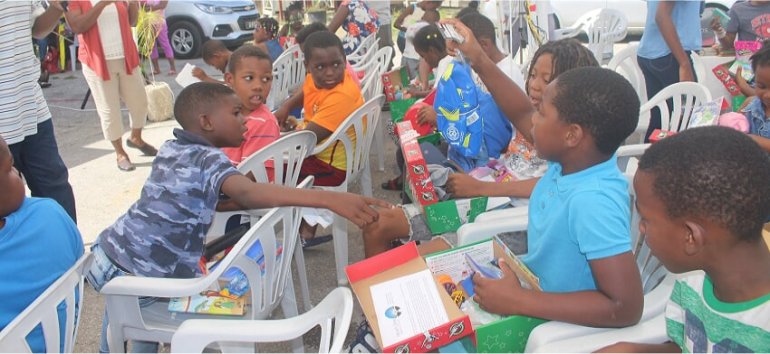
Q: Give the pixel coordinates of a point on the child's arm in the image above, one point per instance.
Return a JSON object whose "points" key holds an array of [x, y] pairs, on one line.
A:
{"points": [[617, 302], [339, 17], [668, 31], [295, 101], [513, 102], [746, 89], [626, 347], [763, 142], [424, 72], [201, 75], [252, 195], [398, 24], [464, 186]]}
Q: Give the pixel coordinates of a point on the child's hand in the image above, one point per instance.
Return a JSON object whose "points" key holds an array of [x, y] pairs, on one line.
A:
{"points": [[427, 115], [716, 25], [498, 295], [463, 186], [470, 47], [357, 208], [199, 73]]}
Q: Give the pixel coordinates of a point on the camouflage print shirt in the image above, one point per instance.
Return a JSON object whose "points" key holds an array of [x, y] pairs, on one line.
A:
{"points": [[163, 233]]}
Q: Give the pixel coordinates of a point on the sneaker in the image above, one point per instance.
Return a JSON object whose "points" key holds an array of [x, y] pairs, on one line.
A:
{"points": [[364, 342]]}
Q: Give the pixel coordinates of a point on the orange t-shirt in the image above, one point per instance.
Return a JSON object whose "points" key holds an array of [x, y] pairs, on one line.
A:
{"points": [[329, 108]]}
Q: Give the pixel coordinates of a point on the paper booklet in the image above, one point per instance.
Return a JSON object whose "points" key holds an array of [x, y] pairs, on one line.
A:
{"points": [[207, 304]]}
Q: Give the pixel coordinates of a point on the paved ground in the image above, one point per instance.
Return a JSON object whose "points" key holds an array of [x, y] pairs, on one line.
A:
{"points": [[103, 192]]}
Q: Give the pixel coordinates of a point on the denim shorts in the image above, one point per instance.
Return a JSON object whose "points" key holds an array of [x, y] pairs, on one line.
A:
{"points": [[102, 269]]}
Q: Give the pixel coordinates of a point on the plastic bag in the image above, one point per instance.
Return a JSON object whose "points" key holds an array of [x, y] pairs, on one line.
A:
{"points": [[160, 101]]}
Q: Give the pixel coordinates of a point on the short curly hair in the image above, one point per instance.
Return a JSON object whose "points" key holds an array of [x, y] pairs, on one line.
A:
{"points": [[714, 173], [246, 51], [566, 54], [601, 101]]}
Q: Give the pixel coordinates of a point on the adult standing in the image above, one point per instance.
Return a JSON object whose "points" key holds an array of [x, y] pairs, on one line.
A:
{"points": [[111, 68], [358, 20], [671, 33], [25, 121]]}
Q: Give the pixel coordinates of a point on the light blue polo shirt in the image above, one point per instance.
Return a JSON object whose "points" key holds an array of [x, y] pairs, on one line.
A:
{"points": [[686, 17], [574, 219]]}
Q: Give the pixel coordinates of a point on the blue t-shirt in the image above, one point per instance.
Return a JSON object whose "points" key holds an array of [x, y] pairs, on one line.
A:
{"points": [[686, 18], [574, 219], [758, 122], [275, 49], [38, 244], [162, 235]]}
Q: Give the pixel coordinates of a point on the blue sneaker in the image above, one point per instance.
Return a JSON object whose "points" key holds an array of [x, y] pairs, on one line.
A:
{"points": [[364, 342]]}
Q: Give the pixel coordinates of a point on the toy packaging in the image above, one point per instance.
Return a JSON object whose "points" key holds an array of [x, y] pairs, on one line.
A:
{"points": [[743, 51], [658, 134], [707, 113]]}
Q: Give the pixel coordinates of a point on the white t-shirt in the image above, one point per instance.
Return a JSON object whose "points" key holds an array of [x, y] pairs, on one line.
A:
{"points": [[109, 32], [411, 31], [22, 105], [507, 65]]}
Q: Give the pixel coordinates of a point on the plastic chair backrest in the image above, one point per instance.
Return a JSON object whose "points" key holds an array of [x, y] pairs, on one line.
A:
{"points": [[606, 28], [650, 268], [298, 70], [68, 289], [372, 84], [698, 67], [279, 91], [332, 315], [356, 58], [674, 116], [624, 63], [362, 123], [287, 154]]}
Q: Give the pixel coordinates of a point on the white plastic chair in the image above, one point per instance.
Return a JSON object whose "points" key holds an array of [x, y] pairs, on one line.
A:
{"points": [[372, 86], [279, 91], [332, 315], [268, 287], [625, 63], [298, 70], [357, 157], [67, 289], [684, 97], [604, 27], [363, 49], [287, 154], [698, 67]]}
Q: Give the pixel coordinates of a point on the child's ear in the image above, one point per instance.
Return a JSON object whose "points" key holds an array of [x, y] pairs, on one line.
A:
{"points": [[229, 79], [575, 135], [695, 239], [205, 123]]}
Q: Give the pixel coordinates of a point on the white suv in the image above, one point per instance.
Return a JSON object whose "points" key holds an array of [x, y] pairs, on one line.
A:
{"points": [[190, 23]]}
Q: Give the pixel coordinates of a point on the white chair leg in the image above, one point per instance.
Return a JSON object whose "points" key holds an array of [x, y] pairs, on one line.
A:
{"points": [[299, 261], [340, 232], [379, 145], [366, 180], [289, 308]]}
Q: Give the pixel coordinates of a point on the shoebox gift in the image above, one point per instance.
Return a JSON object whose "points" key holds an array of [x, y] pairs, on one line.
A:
{"points": [[407, 309], [441, 216], [658, 135], [454, 268], [394, 82]]}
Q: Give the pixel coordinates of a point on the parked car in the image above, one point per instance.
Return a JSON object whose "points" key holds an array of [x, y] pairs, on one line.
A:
{"points": [[568, 11], [192, 22]]}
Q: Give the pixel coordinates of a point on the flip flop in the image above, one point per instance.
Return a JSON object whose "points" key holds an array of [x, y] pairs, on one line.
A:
{"points": [[146, 149], [171, 72], [392, 185], [315, 241], [45, 84], [125, 165]]}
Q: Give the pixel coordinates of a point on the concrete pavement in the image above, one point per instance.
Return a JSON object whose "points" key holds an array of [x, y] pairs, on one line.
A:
{"points": [[103, 192]]}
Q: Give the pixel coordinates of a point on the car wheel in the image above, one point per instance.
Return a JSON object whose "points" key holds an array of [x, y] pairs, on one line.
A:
{"points": [[186, 39]]}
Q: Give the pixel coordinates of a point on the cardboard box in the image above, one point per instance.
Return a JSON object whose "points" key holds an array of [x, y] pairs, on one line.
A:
{"points": [[723, 75], [393, 264], [658, 134], [509, 334], [393, 82], [417, 174]]}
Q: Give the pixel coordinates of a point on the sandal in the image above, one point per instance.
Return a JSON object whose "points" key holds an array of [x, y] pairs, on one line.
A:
{"points": [[146, 149], [364, 342], [315, 241], [125, 165], [171, 72], [392, 185]]}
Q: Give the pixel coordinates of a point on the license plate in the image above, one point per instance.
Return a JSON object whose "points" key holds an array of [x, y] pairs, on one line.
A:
{"points": [[250, 24]]}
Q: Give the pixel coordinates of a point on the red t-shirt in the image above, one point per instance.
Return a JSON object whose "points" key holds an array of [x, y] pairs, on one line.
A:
{"points": [[261, 130]]}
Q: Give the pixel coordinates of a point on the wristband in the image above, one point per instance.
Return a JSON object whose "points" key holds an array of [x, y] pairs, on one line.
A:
{"points": [[721, 33]]}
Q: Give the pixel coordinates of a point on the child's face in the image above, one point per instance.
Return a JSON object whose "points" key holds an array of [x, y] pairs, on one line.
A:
{"points": [[10, 183], [260, 33], [219, 61], [539, 78], [296, 18], [762, 84], [326, 66], [251, 81], [431, 56], [548, 130], [665, 237], [226, 123]]}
